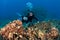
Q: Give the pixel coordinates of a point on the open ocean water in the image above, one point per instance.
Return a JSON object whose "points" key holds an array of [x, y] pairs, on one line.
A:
{"points": [[10, 8]]}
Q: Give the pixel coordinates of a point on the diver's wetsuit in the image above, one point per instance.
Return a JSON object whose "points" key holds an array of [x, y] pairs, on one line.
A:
{"points": [[30, 18]]}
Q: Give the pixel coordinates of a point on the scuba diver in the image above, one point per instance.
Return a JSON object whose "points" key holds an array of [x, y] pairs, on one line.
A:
{"points": [[31, 16], [28, 19]]}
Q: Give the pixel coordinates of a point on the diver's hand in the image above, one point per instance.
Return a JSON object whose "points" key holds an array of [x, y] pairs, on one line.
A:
{"points": [[37, 21]]}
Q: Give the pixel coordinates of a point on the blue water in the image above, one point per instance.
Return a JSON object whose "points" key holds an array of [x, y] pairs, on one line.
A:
{"points": [[9, 8]]}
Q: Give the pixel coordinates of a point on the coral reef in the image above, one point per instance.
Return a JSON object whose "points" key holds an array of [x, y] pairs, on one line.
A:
{"points": [[40, 31]]}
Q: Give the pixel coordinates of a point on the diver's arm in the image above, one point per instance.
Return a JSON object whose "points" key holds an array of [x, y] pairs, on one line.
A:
{"points": [[36, 19]]}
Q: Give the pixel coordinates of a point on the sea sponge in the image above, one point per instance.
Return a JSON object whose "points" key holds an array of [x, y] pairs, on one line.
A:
{"points": [[41, 35], [18, 22], [54, 32]]}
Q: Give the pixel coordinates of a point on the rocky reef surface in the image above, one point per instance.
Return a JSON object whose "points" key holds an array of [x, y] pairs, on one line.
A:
{"points": [[45, 30]]}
